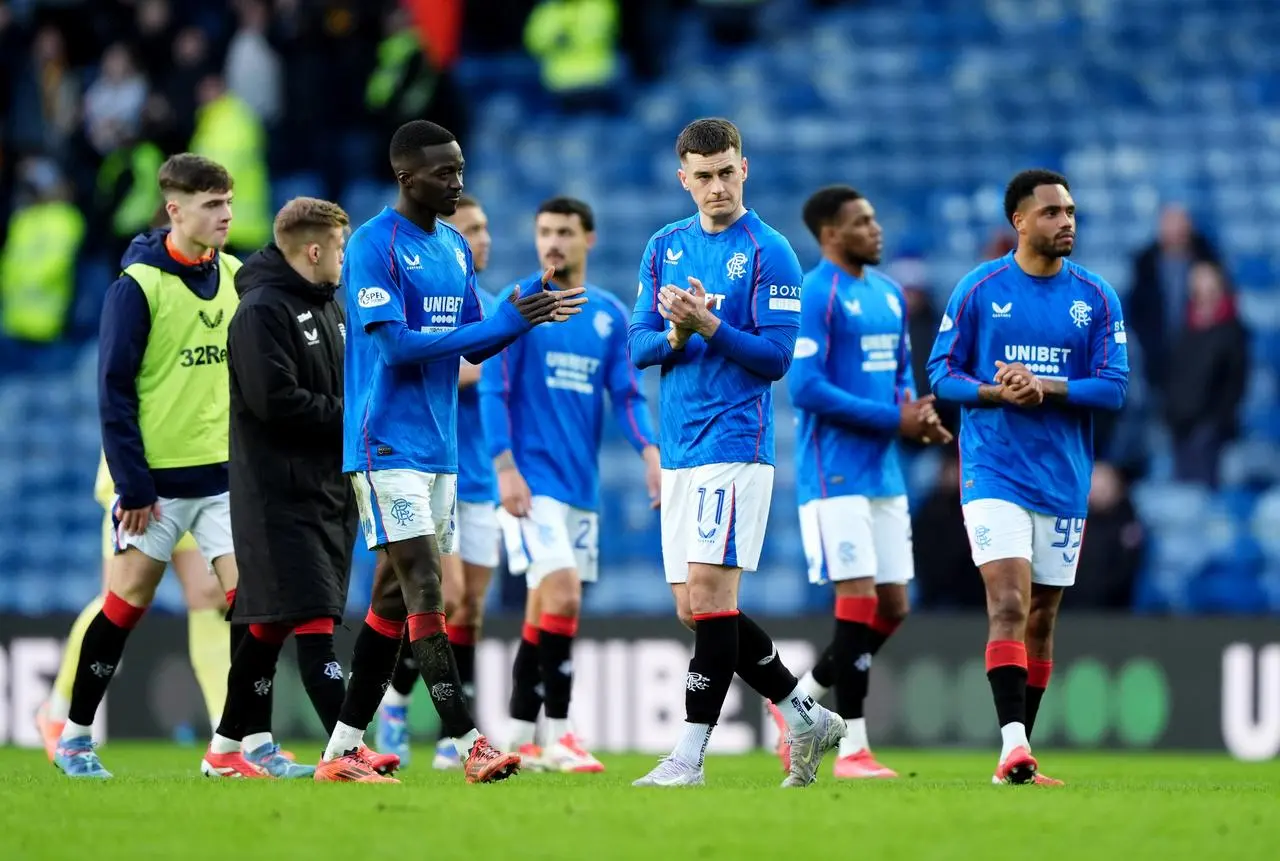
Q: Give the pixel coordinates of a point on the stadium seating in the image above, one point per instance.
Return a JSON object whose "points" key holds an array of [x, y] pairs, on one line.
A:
{"points": [[926, 105]]}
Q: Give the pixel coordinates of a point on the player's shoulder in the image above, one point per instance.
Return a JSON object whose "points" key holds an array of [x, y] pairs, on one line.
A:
{"points": [[672, 232], [1091, 279], [883, 282], [607, 300], [985, 273], [376, 230]]}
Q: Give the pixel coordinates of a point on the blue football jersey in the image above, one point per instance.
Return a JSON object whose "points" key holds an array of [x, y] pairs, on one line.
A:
{"points": [[716, 402], [544, 399], [403, 416], [852, 368], [476, 479], [1068, 328]]}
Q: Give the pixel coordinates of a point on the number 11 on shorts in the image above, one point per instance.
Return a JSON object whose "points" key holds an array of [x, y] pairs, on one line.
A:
{"points": [[702, 502]]}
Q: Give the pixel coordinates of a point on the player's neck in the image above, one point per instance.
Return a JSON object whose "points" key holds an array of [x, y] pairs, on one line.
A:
{"points": [[186, 246], [570, 280], [424, 218], [720, 225], [853, 270], [1036, 265]]}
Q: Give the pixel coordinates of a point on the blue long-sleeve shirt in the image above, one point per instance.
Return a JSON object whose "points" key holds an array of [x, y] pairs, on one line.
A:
{"points": [[716, 398], [124, 329], [543, 399], [1068, 328], [414, 309], [852, 368]]}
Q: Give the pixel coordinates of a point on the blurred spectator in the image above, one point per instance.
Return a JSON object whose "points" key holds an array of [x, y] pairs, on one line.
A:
{"points": [[230, 133], [1158, 293], [575, 41], [912, 274], [191, 64], [153, 35], [127, 194], [1206, 376], [733, 22], [408, 85], [113, 103], [1111, 554], [46, 98], [38, 260], [253, 71], [946, 578]]}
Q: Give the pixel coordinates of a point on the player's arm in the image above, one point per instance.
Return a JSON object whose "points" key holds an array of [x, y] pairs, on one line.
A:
{"points": [[650, 340], [496, 385], [630, 407], [1108, 383], [768, 351], [122, 339], [950, 364], [264, 364], [811, 387]]}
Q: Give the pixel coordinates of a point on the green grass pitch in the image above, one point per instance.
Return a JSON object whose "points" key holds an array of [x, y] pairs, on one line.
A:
{"points": [[1115, 806]]}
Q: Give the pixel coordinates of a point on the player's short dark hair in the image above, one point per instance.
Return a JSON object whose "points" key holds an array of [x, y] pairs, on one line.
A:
{"points": [[708, 137], [467, 202], [824, 205], [413, 136], [303, 219], [188, 173], [1024, 185], [570, 206]]}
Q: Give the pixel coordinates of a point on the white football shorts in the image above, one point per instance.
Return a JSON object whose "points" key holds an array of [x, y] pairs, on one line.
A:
{"points": [[477, 533], [399, 504], [999, 529], [715, 514], [554, 536], [857, 537], [207, 518]]}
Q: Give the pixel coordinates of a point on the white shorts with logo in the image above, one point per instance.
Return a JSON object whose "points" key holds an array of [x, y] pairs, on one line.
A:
{"points": [[999, 529], [477, 533], [399, 504], [207, 518], [715, 514], [553, 536], [857, 537]]}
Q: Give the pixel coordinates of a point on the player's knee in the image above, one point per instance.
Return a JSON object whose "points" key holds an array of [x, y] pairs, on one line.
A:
{"points": [[565, 602], [1040, 624], [1007, 608], [685, 615]]}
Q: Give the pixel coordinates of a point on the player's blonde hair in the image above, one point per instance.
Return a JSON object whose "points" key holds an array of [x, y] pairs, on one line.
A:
{"points": [[307, 219]]}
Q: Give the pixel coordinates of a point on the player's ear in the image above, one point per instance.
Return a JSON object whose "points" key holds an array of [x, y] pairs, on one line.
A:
{"points": [[684, 181], [744, 168], [591, 240]]}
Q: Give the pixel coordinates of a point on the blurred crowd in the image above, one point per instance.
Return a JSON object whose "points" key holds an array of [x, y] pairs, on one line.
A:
{"points": [[94, 94]]}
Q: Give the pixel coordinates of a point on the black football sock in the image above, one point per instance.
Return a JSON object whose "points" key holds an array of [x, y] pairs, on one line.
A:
{"points": [[372, 662], [759, 664], [321, 676], [1007, 673], [430, 646], [711, 669], [824, 671], [462, 639], [881, 630], [250, 683], [526, 678], [100, 652], [555, 663], [851, 653], [1038, 673], [406, 672]]}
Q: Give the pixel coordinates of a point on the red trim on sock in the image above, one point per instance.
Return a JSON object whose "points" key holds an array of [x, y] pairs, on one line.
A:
{"points": [[322, 625], [565, 626], [530, 633], [231, 596], [857, 608], [698, 617], [274, 633], [423, 625], [386, 627], [1038, 673], [120, 612], [1006, 653], [461, 635], [884, 626]]}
